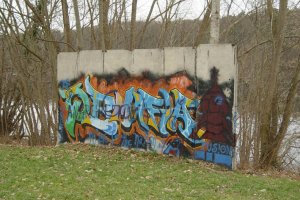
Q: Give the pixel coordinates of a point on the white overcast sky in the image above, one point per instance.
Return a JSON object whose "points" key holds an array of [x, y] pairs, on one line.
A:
{"points": [[191, 9]]}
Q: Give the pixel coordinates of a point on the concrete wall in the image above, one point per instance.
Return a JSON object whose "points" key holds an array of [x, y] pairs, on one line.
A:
{"points": [[161, 61], [185, 116]]}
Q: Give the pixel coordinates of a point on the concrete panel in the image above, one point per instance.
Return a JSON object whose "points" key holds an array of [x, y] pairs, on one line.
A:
{"points": [[218, 55], [189, 60], [147, 59], [174, 59], [66, 66], [178, 59], [202, 68], [114, 60], [90, 62]]}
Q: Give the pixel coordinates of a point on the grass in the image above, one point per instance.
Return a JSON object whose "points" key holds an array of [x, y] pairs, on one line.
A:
{"points": [[89, 172]]}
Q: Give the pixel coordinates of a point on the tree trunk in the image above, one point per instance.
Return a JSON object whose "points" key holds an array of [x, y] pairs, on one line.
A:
{"points": [[133, 25], [203, 26], [93, 35], [106, 25], [67, 30], [276, 144], [266, 136], [215, 22], [78, 26], [103, 25], [142, 33]]}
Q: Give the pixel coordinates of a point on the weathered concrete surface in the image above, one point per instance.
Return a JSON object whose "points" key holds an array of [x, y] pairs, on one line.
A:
{"points": [[114, 60], [179, 59], [66, 65], [189, 60], [90, 62], [165, 61], [147, 59], [218, 55], [174, 59]]}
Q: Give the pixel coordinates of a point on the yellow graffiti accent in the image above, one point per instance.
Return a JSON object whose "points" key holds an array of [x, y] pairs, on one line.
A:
{"points": [[136, 96], [114, 118], [200, 132], [87, 120], [152, 124], [188, 102], [176, 93], [73, 88], [119, 99], [169, 120]]}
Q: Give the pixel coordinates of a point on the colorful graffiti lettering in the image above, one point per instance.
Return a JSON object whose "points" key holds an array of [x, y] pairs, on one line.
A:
{"points": [[163, 115]]}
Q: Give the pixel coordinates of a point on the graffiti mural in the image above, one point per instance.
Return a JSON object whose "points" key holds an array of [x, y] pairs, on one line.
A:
{"points": [[169, 115]]}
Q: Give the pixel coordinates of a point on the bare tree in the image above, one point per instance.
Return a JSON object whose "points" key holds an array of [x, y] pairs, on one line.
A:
{"points": [[91, 10], [67, 30], [78, 26], [133, 25], [215, 22], [34, 72], [268, 140], [103, 25], [204, 25]]}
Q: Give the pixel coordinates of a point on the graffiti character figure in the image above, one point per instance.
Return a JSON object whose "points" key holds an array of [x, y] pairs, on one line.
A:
{"points": [[214, 114]]}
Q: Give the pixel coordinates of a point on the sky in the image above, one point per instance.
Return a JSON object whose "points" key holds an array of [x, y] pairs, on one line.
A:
{"points": [[191, 9]]}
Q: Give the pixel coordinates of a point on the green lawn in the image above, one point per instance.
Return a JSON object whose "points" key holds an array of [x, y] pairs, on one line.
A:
{"points": [[88, 172]]}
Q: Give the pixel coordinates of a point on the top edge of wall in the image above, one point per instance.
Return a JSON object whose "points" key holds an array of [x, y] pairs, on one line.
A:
{"points": [[221, 44], [162, 61]]}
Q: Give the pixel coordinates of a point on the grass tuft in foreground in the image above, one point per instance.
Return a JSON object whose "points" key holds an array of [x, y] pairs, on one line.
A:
{"points": [[93, 172]]}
